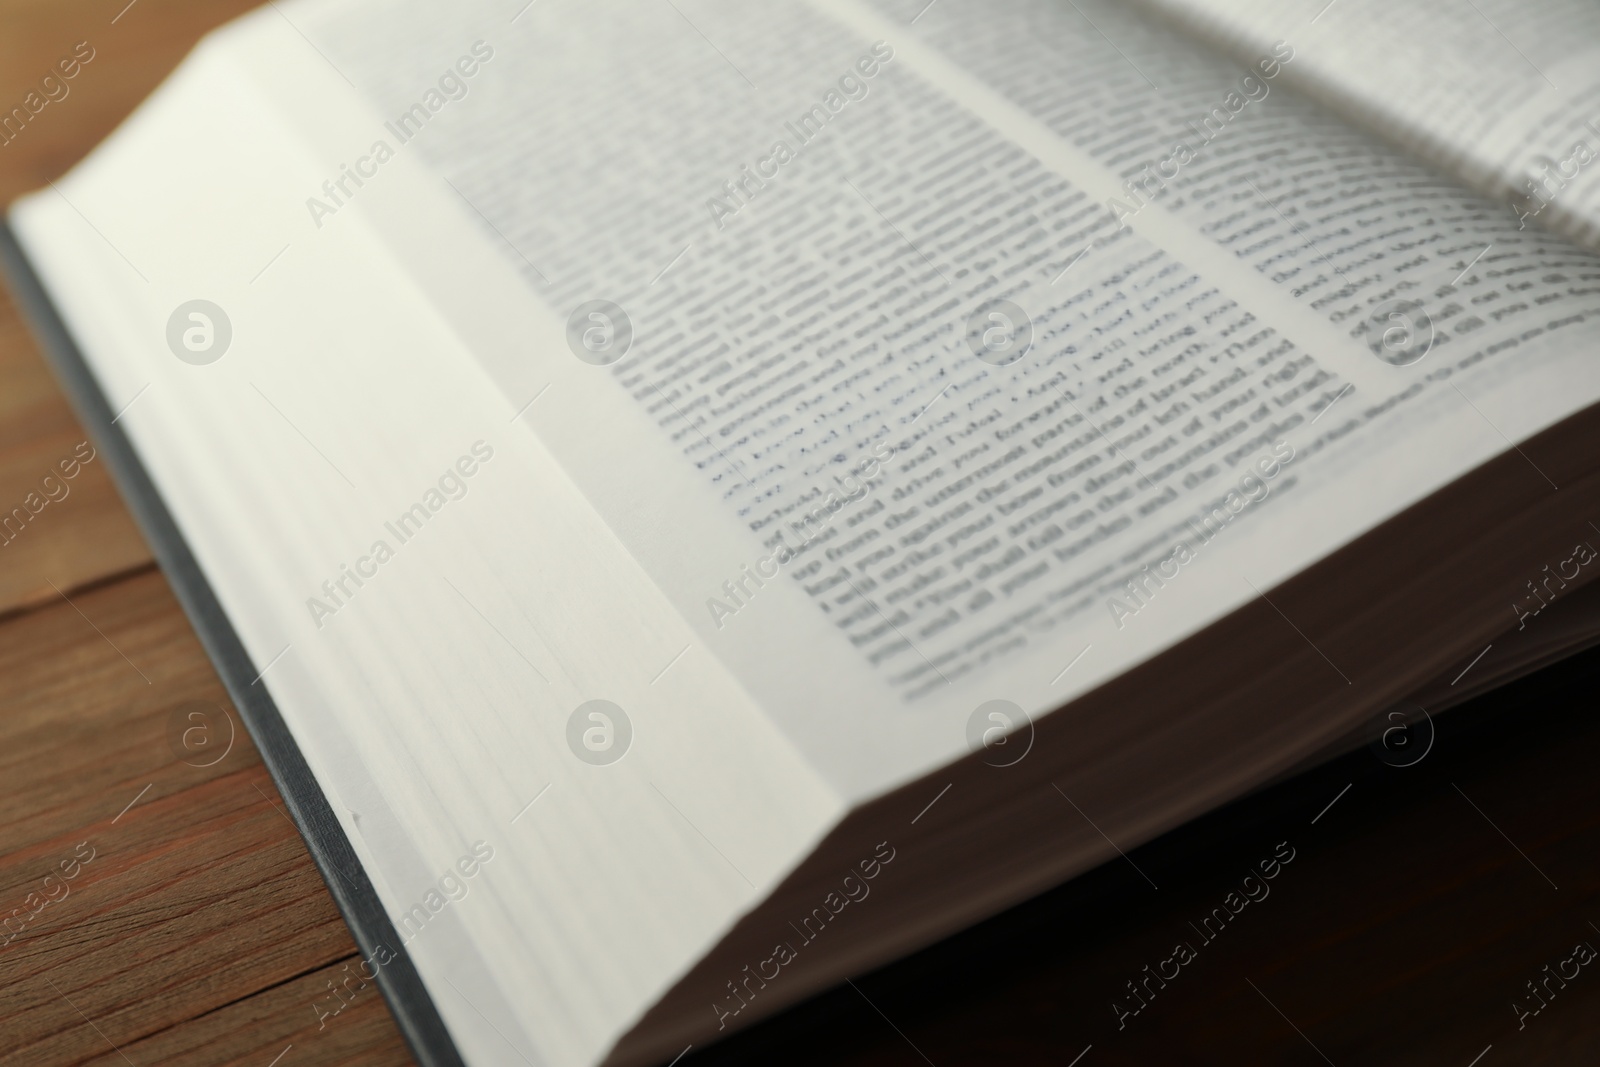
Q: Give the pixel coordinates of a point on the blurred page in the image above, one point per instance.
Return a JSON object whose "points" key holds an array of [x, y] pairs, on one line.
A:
{"points": [[809, 214], [1507, 100]]}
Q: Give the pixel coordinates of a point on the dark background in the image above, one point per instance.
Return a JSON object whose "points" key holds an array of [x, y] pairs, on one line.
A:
{"points": [[1401, 933]]}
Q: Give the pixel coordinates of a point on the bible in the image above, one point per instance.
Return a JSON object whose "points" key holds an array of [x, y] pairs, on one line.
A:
{"points": [[697, 500]]}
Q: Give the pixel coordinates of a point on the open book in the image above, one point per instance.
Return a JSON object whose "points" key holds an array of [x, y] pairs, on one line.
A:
{"points": [[697, 499]]}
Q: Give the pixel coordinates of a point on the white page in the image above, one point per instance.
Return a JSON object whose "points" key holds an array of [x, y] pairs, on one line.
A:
{"points": [[600, 197], [1496, 92], [434, 703]]}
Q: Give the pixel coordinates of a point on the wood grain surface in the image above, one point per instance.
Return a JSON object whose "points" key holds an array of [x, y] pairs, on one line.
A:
{"points": [[160, 908]]}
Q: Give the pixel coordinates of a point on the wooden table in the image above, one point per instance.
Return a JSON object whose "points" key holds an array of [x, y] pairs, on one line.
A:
{"points": [[194, 929]]}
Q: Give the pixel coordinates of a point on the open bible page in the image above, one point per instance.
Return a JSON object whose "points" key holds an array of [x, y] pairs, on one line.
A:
{"points": [[1508, 100], [930, 364]]}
